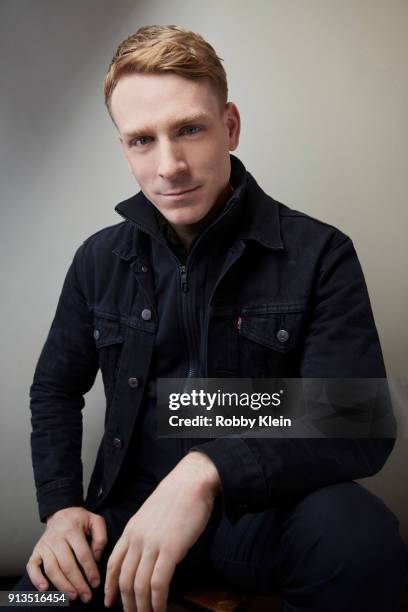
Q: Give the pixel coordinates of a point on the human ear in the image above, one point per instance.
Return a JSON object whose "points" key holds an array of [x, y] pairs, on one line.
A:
{"points": [[233, 124]]}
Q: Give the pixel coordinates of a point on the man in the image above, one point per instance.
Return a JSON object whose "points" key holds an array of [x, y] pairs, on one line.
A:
{"points": [[208, 276]]}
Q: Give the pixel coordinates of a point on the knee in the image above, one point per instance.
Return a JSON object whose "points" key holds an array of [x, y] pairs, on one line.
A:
{"points": [[349, 528]]}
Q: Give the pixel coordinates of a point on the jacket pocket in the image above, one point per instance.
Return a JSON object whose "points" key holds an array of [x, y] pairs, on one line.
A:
{"points": [[257, 340], [275, 326], [109, 336], [271, 339]]}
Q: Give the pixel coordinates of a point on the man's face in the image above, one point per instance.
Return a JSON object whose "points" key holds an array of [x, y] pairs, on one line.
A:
{"points": [[176, 140]]}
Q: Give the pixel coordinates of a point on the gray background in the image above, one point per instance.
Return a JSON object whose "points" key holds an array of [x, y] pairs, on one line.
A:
{"points": [[323, 94]]}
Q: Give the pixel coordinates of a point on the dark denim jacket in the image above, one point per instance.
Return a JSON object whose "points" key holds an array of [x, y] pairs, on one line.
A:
{"points": [[283, 271]]}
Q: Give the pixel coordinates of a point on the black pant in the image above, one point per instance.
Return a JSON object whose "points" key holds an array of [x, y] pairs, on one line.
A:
{"points": [[336, 550]]}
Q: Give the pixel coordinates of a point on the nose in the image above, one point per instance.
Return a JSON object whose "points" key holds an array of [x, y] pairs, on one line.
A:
{"points": [[171, 161]]}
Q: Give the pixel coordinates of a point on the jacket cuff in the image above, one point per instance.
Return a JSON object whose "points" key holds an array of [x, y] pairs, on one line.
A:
{"points": [[57, 499], [243, 483]]}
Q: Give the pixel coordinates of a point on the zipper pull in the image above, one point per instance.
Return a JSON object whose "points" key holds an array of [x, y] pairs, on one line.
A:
{"points": [[183, 274], [239, 323]]}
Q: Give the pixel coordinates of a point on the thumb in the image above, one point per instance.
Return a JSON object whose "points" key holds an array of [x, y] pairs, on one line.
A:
{"points": [[98, 533]]}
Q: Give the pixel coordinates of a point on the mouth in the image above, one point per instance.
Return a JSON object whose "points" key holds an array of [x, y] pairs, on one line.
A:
{"points": [[180, 194]]}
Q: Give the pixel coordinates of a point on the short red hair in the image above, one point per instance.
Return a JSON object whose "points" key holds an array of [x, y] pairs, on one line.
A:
{"points": [[156, 49]]}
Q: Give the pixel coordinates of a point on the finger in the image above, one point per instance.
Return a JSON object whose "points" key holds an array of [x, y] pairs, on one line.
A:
{"points": [[84, 556], [160, 582], [34, 572], [127, 577], [113, 569], [99, 535], [142, 581], [69, 567], [54, 572]]}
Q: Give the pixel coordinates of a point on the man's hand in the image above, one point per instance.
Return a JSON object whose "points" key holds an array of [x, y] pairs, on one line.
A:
{"points": [[160, 534], [63, 546]]}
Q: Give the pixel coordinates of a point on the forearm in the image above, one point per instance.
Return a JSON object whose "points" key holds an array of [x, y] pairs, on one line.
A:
{"points": [[65, 371], [259, 473]]}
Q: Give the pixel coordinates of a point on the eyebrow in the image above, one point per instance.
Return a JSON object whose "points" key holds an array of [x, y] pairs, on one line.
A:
{"points": [[176, 124]]}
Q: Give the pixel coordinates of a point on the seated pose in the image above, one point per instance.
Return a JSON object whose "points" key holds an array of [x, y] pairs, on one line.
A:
{"points": [[176, 290]]}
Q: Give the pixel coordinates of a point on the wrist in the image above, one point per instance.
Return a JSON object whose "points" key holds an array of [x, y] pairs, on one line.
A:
{"points": [[63, 511], [208, 476]]}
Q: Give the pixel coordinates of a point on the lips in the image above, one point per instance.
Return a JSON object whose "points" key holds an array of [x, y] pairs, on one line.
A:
{"points": [[180, 193]]}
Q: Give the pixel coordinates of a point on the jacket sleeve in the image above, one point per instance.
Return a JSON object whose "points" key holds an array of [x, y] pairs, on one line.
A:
{"points": [[65, 371], [341, 342]]}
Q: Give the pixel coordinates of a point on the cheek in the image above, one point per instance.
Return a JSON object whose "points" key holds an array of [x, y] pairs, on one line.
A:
{"points": [[212, 166], [219, 168], [141, 172]]}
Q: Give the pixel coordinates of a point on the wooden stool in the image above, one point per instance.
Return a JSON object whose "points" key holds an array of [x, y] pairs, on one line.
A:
{"points": [[211, 595], [216, 597]]}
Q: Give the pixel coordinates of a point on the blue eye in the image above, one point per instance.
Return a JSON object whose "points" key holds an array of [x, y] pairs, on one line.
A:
{"points": [[191, 129], [140, 142]]}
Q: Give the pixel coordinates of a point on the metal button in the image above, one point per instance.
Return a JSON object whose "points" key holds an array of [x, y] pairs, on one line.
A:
{"points": [[133, 382], [144, 268], [282, 335], [146, 314], [100, 492], [97, 334], [117, 442]]}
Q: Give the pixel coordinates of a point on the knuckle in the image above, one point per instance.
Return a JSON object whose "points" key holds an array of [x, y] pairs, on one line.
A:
{"points": [[32, 572], [110, 567], [71, 573], [99, 519], [52, 575], [102, 540], [82, 557], [140, 589], [32, 560], [157, 585], [99, 544], [32, 568], [124, 586], [67, 567], [75, 578], [135, 544], [171, 550], [50, 563], [70, 532]]}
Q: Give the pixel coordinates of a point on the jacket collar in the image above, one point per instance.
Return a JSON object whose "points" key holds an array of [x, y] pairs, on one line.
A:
{"points": [[259, 213], [262, 217]]}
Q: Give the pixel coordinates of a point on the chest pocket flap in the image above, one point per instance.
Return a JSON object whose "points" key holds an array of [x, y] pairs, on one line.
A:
{"points": [[276, 326], [107, 330]]}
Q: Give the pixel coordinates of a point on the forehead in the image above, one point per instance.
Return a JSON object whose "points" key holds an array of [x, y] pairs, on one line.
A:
{"points": [[140, 100]]}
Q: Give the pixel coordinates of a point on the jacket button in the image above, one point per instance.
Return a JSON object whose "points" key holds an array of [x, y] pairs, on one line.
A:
{"points": [[133, 382], [282, 335], [146, 314], [96, 334], [100, 492], [117, 442], [144, 268]]}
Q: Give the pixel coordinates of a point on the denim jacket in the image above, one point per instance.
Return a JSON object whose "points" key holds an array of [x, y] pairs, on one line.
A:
{"points": [[283, 270]]}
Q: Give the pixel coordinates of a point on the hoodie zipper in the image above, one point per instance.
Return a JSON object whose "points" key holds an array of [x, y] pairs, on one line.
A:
{"points": [[192, 371]]}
